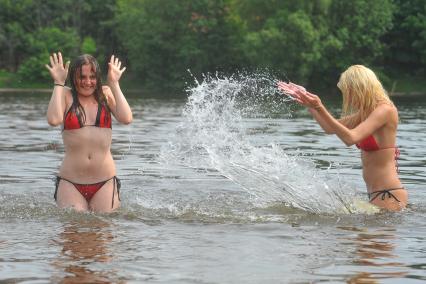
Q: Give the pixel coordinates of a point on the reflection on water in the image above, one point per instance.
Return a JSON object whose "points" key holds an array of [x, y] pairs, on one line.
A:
{"points": [[84, 244], [375, 256]]}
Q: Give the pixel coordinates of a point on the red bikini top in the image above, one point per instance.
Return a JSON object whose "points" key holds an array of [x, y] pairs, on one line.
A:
{"points": [[103, 119], [368, 144]]}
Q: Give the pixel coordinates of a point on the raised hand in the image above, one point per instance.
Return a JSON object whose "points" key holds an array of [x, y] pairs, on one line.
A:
{"points": [[311, 101], [114, 70], [300, 95], [57, 69]]}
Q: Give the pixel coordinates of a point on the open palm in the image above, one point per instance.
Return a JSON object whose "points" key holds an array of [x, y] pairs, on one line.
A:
{"points": [[299, 94], [114, 69], [57, 69]]}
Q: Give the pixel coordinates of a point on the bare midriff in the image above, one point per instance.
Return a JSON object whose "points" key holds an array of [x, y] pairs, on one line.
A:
{"points": [[88, 156], [380, 170]]}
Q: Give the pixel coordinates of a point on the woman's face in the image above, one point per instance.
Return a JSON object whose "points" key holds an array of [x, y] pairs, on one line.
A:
{"points": [[86, 82]]}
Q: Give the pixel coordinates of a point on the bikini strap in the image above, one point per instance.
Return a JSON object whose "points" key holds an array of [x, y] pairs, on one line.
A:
{"points": [[383, 193], [98, 115], [117, 186], [397, 154], [57, 180], [113, 192]]}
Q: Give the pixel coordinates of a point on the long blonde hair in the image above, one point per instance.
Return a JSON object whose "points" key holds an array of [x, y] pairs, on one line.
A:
{"points": [[362, 93]]}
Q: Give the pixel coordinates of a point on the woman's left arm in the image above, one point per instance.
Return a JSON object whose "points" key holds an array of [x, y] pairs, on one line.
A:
{"points": [[378, 118], [119, 105], [375, 120]]}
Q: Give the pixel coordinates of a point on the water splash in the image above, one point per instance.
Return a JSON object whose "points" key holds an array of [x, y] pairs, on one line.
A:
{"points": [[218, 133]]}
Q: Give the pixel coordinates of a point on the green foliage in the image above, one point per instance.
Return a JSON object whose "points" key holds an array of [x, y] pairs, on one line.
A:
{"points": [[163, 44], [359, 26], [352, 34], [5, 78], [33, 69], [311, 41], [21, 19], [41, 44], [88, 45], [275, 47], [407, 39]]}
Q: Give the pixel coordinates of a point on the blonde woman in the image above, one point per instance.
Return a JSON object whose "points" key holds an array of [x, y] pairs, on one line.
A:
{"points": [[369, 120]]}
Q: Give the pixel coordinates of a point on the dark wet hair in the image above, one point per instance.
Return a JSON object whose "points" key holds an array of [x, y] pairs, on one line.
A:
{"points": [[74, 74]]}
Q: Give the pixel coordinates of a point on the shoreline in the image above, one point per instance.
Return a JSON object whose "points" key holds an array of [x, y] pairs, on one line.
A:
{"points": [[43, 90], [24, 90], [408, 94]]}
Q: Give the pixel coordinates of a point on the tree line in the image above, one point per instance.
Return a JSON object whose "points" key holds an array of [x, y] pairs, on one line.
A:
{"points": [[311, 41]]}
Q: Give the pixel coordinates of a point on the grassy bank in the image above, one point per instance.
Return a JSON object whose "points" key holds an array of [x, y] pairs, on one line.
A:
{"points": [[12, 80], [407, 85]]}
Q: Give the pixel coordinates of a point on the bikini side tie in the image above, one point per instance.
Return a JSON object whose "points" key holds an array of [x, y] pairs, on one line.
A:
{"points": [[383, 193]]}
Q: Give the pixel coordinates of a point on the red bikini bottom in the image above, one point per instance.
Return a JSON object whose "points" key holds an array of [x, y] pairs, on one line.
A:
{"points": [[89, 190]]}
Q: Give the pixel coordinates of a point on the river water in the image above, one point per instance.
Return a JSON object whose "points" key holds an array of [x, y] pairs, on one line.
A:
{"points": [[230, 184]]}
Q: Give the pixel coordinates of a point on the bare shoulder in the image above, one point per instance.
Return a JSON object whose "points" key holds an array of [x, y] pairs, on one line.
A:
{"points": [[386, 109], [389, 111]]}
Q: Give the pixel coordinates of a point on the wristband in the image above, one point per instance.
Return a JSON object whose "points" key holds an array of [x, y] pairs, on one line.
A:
{"points": [[60, 85]]}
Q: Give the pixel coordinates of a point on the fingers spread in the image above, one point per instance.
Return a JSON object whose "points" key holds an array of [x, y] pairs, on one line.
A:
{"points": [[51, 61], [60, 59], [312, 95], [55, 58], [287, 91]]}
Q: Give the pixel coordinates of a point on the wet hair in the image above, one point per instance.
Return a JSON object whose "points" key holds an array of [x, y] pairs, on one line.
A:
{"points": [[362, 92], [74, 74]]}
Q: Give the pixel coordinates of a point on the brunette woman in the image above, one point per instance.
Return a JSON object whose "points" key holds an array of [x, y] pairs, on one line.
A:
{"points": [[87, 177]]}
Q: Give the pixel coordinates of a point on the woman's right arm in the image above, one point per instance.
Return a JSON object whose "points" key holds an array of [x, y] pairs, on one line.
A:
{"points": [[57, 104], [324, 125], [349, 121]]}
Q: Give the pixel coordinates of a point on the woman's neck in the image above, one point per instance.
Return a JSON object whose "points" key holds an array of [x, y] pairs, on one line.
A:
{"points": [[87, 99]]}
